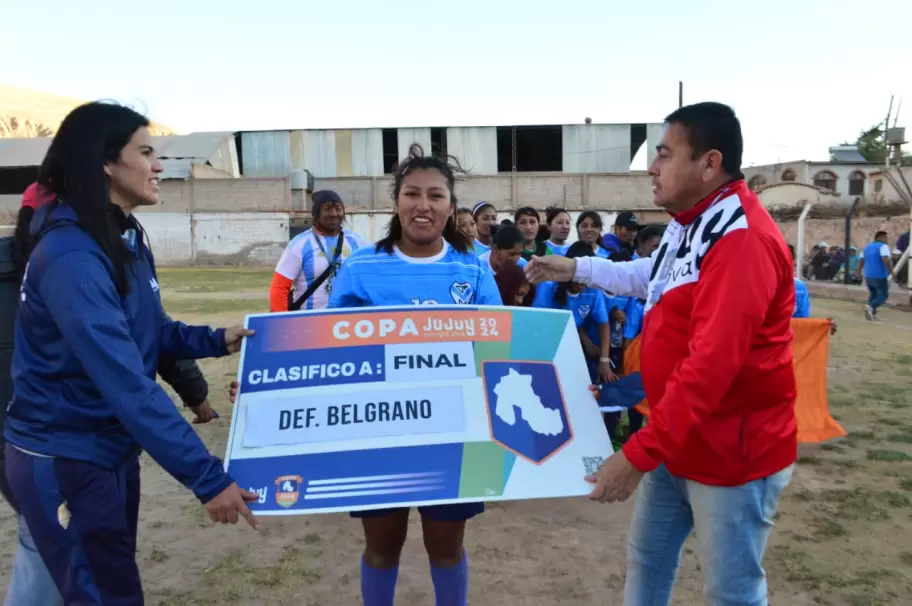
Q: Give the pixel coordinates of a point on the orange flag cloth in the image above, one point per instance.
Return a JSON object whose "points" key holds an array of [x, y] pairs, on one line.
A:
{"points": [[811, 351]]}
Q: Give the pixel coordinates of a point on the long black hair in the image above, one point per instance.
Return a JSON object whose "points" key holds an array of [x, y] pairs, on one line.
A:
{"points": [[73, 169], [449, 167], [577, 249]]}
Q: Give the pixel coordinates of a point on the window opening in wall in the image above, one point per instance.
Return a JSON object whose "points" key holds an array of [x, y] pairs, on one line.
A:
{"points": [[390, 149], [14, 181], [756, 182], [530, 149], [637, 138], [826, 180], [788, 175], [856, 183], [438, 142], [878, 186]]}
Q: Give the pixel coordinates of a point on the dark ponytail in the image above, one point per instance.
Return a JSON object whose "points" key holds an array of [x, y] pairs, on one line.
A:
{"points": [[73, 169], [577, 249], [449, 167]]}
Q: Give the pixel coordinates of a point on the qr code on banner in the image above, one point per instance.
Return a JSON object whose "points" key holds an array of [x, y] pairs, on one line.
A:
{"points": [[592, 464]]}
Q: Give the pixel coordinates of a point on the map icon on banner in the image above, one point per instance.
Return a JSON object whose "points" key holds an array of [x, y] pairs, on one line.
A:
{"points": [[344, 410]]}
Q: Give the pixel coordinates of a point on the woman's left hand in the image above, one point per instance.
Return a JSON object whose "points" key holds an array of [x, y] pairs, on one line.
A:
{"points": [[234, 336], [595, 391]]}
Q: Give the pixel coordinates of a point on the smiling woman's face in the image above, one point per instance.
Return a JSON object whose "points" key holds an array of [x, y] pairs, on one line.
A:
{"points": [[134, 177], [424, 205]]}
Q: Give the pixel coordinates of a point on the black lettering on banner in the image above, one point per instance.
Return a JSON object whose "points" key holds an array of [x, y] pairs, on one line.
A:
{"points": [[411, 409], [383, 411], [425, 409], [370, 412], [284, 419], [332, 415]]}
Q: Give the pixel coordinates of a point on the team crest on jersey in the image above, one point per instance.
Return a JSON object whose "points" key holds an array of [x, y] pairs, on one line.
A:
{"points": [[583, 311], [462, 293], [287, 490]]}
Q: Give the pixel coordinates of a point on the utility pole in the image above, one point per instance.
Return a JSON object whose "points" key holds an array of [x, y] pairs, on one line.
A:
{"points": [[680, 93]]}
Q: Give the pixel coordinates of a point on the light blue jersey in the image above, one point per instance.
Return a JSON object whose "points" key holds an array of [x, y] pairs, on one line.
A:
{"points": [[602, 253], [486, 261], [557, 249], [481, 249], [369, 279], [588, 307]]}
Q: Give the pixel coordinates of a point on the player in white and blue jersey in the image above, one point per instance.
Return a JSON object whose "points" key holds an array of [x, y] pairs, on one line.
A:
{"points": [[424, 259], [558, 222], [313, 252], [506, 249], [485, 216]]}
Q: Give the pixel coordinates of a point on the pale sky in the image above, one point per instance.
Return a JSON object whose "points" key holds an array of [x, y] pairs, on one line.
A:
{"points": [[802, 74]]}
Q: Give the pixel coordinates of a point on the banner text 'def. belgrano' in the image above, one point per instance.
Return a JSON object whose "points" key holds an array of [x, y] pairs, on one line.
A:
{"points": [[401, 406]]}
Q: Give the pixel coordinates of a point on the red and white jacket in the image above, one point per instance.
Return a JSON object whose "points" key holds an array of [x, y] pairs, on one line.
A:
{"points": [[716, 355]]}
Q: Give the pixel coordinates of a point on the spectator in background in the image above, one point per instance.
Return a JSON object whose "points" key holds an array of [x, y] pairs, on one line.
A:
{"points": [[851, 265], [319, 250], [485, 225], [589, 230], [876, 264], [558, 221], [506, 249], [819, 262], [514, 287], [622, 240], [528, 222], [465, 223]]}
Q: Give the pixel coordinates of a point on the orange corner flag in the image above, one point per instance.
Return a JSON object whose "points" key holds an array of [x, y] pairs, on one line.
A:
{"points": [[811, 351]]}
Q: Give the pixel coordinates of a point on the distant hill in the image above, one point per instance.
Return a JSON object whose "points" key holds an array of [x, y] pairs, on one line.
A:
{"points": [[28, 113]]}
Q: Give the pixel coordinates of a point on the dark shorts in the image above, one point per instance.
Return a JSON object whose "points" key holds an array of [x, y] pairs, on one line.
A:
{"points": [[458, 512], [83, 520]]}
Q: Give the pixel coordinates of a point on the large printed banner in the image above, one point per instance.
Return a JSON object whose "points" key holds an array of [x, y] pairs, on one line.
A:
{"points": [[405, 406]]}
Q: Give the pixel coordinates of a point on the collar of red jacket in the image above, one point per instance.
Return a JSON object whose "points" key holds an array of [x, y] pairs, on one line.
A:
{"points": [[736, 186]]}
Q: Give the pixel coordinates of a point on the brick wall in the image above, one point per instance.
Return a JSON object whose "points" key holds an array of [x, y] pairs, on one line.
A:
{"points": [[604, 192]]}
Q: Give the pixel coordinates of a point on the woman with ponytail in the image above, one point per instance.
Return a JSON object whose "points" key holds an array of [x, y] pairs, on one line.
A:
{"points": [[424, 259], [87, 342]]}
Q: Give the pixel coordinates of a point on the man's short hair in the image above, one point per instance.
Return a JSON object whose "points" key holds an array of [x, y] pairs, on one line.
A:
{"points": [[508, 236], [711, 126], [880, 234]]}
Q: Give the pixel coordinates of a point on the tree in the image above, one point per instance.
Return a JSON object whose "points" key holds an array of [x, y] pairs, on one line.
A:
{"points": [[872, 146]]}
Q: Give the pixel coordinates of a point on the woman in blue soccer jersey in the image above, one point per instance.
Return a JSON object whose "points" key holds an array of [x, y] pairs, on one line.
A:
{"points": [[590, 312], [589, 230], [424, 259]]}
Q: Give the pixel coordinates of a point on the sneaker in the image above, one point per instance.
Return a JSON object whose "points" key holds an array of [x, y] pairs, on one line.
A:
{"points": [[869, 313]]}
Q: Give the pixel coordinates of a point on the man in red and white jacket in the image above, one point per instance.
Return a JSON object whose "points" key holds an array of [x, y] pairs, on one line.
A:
{"points": [[716, 364]]}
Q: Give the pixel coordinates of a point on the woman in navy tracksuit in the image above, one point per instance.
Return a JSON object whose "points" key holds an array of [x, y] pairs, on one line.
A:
{"points": [[87, 342]]}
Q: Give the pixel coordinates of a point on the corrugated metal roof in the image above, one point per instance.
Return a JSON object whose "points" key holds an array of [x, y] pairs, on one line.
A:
{"points": [[176, 152], [23, 152], [200, 146]]}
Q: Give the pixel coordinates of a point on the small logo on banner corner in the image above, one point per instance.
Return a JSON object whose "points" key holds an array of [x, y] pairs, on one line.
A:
{"points": [[287, 490]]}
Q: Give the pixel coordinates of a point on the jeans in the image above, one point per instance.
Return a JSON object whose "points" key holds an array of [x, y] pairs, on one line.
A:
{"points": [[31, 583], [732, 525], [878, 291]]}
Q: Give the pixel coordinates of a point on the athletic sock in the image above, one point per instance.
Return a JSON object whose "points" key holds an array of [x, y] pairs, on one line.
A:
{"points": [[378, 587], [451, 585]]}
